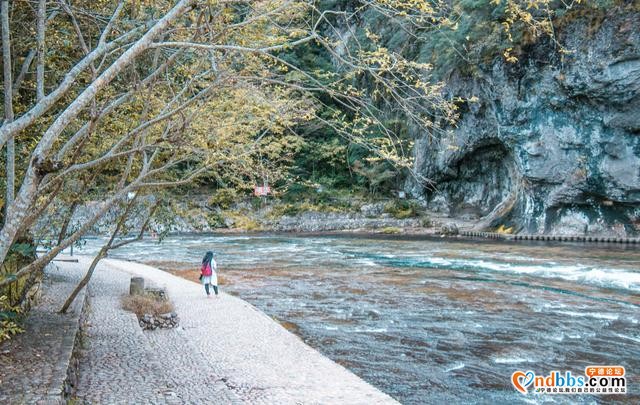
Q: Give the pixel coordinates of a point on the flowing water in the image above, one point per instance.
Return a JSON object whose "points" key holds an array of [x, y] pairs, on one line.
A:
{"points": [[431, 320]]}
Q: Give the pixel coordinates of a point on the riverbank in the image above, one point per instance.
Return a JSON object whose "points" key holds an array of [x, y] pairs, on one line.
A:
{"points": [[225, 350], [355, 216]]}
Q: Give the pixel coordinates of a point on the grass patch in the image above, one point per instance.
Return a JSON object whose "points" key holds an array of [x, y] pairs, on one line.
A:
{"points": [[389, 230], [146, 304], [245, 222]]}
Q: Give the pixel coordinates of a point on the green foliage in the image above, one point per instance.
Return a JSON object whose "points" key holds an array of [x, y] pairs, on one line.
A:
{"points": [[25, 250], [223, 198], [20, 254], [402, 209], [286, 209], [243, 221], [9, 319], [215, 220], [376, 175], [477, 37], [293, 209]]}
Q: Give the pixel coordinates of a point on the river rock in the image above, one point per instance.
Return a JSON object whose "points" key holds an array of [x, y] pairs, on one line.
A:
{"points": [[372, 210], [328, 221], [449, 229]]}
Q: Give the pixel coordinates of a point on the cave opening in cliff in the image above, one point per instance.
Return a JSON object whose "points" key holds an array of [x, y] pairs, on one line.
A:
{"points": [[481, 179]]}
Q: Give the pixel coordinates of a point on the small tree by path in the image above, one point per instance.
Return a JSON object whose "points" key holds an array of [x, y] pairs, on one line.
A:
{"points": [[110, 245]]}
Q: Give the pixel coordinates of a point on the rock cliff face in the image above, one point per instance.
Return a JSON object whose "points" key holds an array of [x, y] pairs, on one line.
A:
{"points": [[553, 145]]}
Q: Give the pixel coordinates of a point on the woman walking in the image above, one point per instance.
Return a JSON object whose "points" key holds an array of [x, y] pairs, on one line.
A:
{"points": [[209, 273]]}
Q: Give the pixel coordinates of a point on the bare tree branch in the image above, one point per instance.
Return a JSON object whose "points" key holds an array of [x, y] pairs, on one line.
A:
{"points": [[33, 174], [10, 129]]}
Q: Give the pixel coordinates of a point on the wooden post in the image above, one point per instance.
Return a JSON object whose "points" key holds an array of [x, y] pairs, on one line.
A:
{"points": [[137, 286]]}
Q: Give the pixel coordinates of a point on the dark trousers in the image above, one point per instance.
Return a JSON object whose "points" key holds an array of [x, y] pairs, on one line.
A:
{"points": [[215, 288]]}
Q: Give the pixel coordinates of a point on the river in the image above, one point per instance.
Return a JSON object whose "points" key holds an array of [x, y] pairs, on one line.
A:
{"points": [[434, 320]]}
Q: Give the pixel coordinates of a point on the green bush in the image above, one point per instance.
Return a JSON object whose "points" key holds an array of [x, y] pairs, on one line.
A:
{"points": [[215, 220], [402, 209], [244, 222], [223, 198], [9, 325]]}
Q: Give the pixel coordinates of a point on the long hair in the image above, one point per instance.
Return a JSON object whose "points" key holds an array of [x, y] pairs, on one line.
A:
{"points": [[207, 258]]}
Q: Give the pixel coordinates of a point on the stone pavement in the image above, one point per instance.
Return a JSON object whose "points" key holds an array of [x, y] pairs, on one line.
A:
{"points": [[34, 364], [225, 351]]}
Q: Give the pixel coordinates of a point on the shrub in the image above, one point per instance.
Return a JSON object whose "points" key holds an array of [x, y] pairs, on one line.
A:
{"points": [[8, 319], [244, 222], [223, 198], [402, 209], [146, 304], [215, 220]]}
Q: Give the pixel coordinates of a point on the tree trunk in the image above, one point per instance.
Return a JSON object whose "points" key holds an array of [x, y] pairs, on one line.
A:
{"points": [[8, 109], [26, 65], [11, 177], [96, 260], [67, 221], [85, 280], [42, 11]]}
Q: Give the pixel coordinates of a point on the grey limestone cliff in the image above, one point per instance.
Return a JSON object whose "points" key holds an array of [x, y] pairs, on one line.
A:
{"points": [[553, 145]]}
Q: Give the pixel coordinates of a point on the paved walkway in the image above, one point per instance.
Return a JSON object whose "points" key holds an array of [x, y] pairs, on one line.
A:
{"points": [[33, 364], [225, 351]]}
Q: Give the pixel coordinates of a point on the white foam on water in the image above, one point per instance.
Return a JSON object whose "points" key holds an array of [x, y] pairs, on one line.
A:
{"points": [[603, 277], [612, 277], [453, 368], [371, 330], [597, 315], [368, 262], [511, 360], [628, 337], [439, 261]]}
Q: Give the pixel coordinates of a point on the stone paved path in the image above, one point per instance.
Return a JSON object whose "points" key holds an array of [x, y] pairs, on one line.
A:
{"points": [[33, 365], [225, 351]]}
